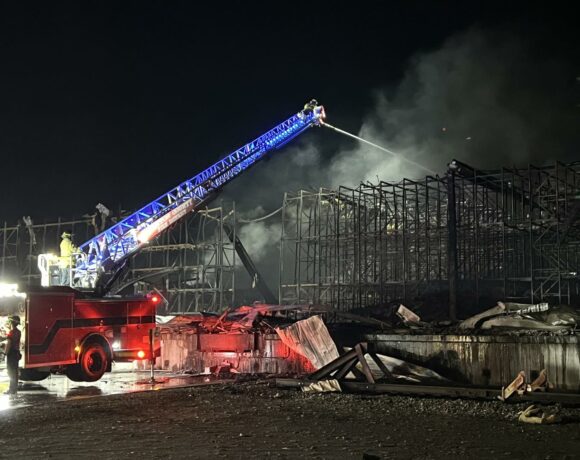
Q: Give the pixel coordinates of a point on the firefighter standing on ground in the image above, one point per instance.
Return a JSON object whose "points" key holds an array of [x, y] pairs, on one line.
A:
{"points": [[67, 249], [12, 351]]}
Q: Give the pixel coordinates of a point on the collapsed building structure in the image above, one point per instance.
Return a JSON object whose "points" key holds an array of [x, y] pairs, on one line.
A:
{"points": [[447, 246], [463, 239]]}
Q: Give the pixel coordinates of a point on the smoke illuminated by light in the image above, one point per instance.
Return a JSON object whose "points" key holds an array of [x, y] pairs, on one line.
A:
{"points": [[10, 290]]}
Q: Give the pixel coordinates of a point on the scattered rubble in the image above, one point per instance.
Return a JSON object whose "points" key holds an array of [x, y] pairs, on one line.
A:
{"points": [[264, 338], [255, 318], [409, 318], [400, 370], [520, 387], [322, 386], [505, 317], [523, 317], [538, 416]]}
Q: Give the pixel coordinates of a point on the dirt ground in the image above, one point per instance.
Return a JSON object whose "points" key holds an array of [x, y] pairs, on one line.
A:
{"points": [[257, 420]]}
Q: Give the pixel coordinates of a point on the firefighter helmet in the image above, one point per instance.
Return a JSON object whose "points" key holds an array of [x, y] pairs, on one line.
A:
{"points": [[15, 319]]}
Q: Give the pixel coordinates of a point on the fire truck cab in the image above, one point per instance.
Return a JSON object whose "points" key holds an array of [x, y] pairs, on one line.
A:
{"points": [[68, 332]]}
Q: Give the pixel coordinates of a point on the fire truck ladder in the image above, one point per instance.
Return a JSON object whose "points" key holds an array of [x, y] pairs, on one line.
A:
{"points": [[107, 252]]}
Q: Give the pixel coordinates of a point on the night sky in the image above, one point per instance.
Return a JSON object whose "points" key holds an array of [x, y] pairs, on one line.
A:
{"points": [[118, 102]]}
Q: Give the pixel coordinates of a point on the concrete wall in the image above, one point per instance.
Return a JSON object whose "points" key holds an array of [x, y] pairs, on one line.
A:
{"points": [[489, 360], [247, 353]]}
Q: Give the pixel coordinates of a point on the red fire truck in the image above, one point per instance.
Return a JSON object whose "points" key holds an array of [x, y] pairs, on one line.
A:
{"points": [[66, 331]]}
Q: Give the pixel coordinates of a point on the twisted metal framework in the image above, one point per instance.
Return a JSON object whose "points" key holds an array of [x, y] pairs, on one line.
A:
{"points": [[354, 248], [20, 245], [193, 264], [487, 235], [519, 229], [509, 234]]}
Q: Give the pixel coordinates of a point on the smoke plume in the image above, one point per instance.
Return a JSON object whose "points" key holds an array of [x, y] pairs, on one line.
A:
{"points": [[487, 98]]}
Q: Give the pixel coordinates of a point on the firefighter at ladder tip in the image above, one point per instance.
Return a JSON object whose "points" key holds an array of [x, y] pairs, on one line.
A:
{"points": [[12, 351], [67, 249]]}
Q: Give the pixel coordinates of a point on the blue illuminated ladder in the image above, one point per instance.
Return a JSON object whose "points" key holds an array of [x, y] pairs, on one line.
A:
{"points": [[105, 252]]}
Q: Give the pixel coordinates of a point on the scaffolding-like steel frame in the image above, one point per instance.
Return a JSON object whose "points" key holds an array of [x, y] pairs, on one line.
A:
{"points": [[193, 264], [470, 237]]}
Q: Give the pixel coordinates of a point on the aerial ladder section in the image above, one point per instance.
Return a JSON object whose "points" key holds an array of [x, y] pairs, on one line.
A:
{"points": [[104, 255]]}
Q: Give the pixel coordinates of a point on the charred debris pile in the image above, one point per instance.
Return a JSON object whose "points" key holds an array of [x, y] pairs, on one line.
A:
{"points": [[503, 318]]}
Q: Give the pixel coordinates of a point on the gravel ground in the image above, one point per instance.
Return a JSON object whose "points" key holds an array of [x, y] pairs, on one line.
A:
{"points": [[255, 420]]}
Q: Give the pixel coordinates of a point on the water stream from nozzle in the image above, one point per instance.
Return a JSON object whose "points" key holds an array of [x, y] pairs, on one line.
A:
{"points": [[396, 155]]}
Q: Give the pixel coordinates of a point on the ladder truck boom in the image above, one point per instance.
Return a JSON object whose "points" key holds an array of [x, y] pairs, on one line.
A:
{"points": [[109, 250]]}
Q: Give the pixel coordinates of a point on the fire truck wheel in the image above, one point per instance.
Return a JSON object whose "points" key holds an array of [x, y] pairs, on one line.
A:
{"points": [[74, 373], [94, 362], [33, 375]]}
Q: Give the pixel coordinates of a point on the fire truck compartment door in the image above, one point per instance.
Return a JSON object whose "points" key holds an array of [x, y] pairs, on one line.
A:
{"points": [[49, 332], [140, 318]]}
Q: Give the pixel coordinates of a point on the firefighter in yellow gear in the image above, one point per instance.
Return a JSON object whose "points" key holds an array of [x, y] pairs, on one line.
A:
{"points": [[67, 249]]}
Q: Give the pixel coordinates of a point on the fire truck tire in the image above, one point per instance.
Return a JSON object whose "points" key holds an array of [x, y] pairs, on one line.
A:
{"points": [[93, 363], [74, 373], [32, 375]]}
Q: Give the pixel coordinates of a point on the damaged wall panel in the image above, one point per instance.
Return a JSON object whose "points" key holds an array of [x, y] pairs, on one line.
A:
{"points": [[246, 353], [310, 338], [489, 360]]}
